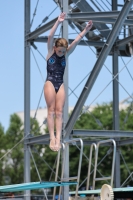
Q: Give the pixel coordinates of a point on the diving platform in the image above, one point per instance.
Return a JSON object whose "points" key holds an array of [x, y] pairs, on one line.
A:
{"points": [[33, 186]]}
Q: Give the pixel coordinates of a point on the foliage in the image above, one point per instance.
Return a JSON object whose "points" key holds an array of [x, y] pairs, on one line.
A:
{"points": [[14, 159], [100, 118]]}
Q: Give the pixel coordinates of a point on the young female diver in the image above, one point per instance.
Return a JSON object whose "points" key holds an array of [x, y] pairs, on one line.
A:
{"points": [[54, 91]]}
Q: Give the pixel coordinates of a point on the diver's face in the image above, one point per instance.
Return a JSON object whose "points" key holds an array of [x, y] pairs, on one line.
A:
{"points": [[60, 51]]}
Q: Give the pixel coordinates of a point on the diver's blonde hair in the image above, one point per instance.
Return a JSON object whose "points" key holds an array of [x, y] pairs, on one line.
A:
{"points": [[61, 42]]}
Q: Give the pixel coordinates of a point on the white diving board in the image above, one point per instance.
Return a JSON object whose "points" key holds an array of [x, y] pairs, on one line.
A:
{"points": [[33, 186]]}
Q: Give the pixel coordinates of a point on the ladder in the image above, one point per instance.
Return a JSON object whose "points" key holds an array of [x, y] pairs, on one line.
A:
{"points": [[95, 165]]}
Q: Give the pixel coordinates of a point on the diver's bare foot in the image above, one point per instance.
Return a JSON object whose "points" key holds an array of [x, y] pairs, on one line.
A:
{"points": [[57, 144], [52, 144]]}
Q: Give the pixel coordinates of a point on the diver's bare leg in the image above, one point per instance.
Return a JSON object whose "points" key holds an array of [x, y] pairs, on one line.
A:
{"points": [[50, 95], [60, 100]]}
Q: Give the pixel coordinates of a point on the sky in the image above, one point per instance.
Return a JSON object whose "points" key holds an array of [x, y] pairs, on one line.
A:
{"points": [[81, 63]]}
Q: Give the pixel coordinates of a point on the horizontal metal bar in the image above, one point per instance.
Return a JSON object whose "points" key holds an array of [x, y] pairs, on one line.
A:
{"points": [[119, 142], [41, 139], [69, 178], [105, 20], [83, 43], [102, 133], [124, 41], [92, 15], [103, 178], [86, 42], [89, 142], [44, 139], [125, 142], [111, 21]]}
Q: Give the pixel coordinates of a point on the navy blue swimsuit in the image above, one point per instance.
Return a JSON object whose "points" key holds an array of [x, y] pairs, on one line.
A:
{"points": [[55, 70]]}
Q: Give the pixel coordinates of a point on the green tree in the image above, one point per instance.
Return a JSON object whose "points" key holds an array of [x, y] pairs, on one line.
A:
{"points": [[15, 158]]}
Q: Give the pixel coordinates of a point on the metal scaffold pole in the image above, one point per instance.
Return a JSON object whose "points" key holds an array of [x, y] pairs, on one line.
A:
{"points": [[65, 111], [116, 104], [27, 97]]}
